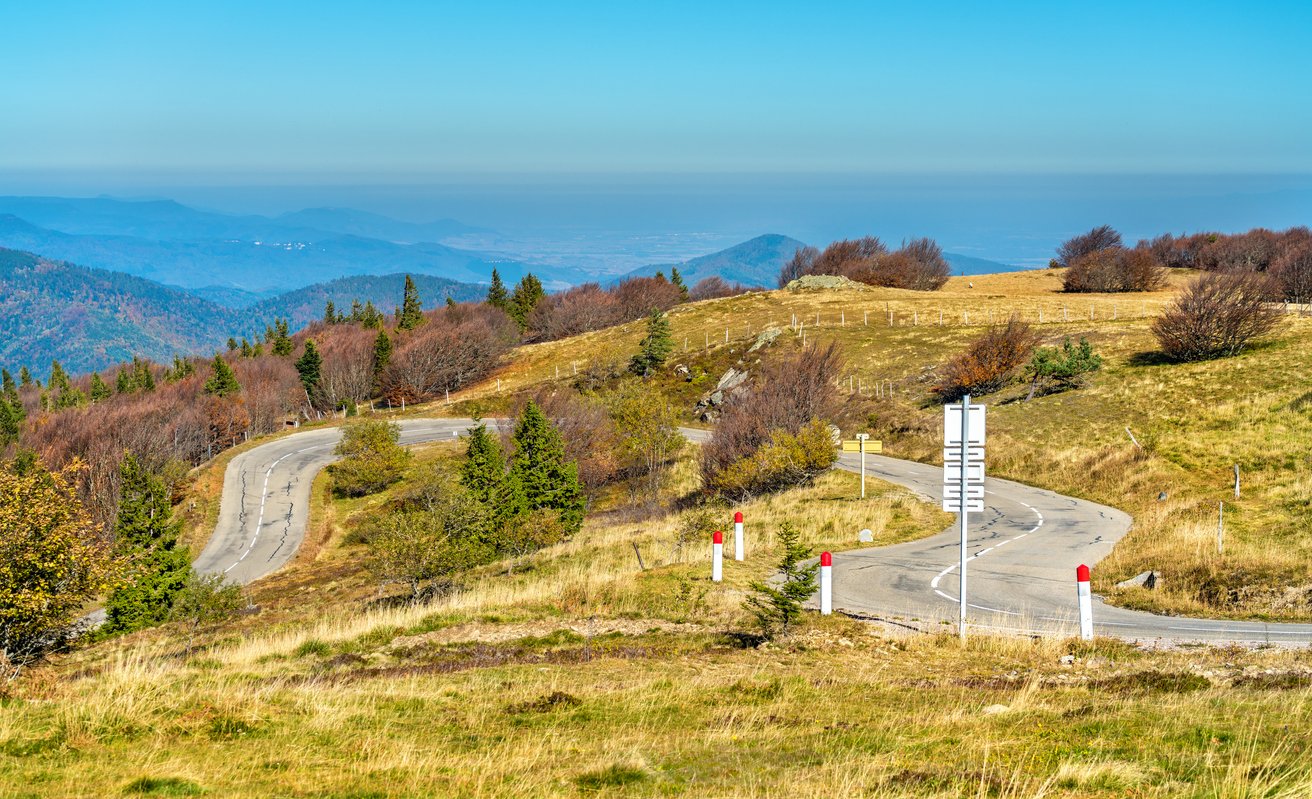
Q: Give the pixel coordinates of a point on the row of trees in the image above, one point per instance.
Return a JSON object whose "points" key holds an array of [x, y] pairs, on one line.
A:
{"points": [[918, 264], [1099, 261]]}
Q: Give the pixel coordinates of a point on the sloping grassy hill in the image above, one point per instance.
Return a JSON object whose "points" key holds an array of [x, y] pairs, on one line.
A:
{"points": [[1194, 422]]}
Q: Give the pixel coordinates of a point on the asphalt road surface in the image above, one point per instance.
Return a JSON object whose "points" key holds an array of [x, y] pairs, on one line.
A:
{"points": [[1023, 548]]}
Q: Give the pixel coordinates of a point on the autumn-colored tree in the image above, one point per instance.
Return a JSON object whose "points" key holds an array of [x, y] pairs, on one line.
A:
{"points": [[1115, 269], [1217, 316], [1103, 237], [989, 363], [53, 560]]}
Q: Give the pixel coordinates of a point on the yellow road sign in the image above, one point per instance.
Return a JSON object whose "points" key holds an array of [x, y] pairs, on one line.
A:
{"points": [[874, 447]]}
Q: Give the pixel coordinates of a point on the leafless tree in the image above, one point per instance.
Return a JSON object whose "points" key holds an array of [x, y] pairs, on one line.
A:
{"points": [[1217, 316], [1100, 238], [800, 264]]}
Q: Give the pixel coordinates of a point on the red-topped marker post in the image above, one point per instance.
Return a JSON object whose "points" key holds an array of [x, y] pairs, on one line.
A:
{"points": [[1086, 602], [826, 583], [738, 536], [717, 557]]}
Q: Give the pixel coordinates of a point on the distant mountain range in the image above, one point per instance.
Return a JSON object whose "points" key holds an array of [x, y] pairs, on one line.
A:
{"points": [[90, 318], [757, 263]]}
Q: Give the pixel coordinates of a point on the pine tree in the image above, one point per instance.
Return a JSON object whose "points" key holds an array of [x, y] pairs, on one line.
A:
{"points": [[546, 477], [526, 297], [232, 344], [308, 366], [99, 388], [7, 384], [356, 311], [330, 316], [382, 355], [246, 351], [11, 419], [58, 378], [371, 318], [484, 473], [660, 275], [123, 381], [142, 376], [497, 296], [147, 534], [412, 310], [677, 280], [24, 377], [223, 382], [282, 342], [181, 368], [450, 301], [655, 347], [777, 605]]}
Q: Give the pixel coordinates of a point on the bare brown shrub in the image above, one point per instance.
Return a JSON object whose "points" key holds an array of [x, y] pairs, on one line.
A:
{"points": [[1103, 237], [1114, 270], [789, 391], [1292, 270], [1217, 316], [800, 264], [989, 363], [716, 287]]}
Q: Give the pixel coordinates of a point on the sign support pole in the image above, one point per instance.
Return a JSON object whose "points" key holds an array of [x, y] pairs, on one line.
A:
{"points": [[862, 438], [965, 444]]}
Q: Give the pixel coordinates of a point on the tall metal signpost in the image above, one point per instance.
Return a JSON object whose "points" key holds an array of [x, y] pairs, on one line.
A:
{"points": [[862, 438], [963, 476]]}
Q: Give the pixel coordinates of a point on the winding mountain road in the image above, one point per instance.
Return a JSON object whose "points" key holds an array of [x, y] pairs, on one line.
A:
{"points": [[1024, 547]]}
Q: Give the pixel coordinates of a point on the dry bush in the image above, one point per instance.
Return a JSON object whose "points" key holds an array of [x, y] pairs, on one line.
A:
{"points": [[715, 287], [845, 256], [1115, 269], [639, 296], [1216, 316], [347, 373], [453, 348], [989, 363], [919, 265], [581, 309], [1292, 271], [789, 391], [1103, 237]]}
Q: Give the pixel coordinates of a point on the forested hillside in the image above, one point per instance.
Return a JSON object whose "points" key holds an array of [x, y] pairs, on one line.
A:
{"points": [[89, 318], [305, 305]]}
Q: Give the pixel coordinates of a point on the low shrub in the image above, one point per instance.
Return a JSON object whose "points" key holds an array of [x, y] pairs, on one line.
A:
{"points": [[1217, 316], [989, 363]]}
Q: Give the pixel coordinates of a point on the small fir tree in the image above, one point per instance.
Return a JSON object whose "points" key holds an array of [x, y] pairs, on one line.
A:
{"points": [[382, 355], [142, 376], [282, 341], [777, 607], [677, 280], [546, 477], [330, 316], [483, 473], [497, 296], [655, 347], [222, 382], [526, 297], [24, 377], [412, 310], [100, 390], [309, 366], [146, 534]]}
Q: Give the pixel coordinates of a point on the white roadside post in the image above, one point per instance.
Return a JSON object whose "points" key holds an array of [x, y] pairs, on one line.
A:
{"points": [[862, 438], [826, 583], [738, 549], [717, 557], [1086, 602], [963, 477]]}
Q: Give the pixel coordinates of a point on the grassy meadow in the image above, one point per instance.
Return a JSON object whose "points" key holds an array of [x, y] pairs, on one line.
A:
{"points": [[582, 673]]}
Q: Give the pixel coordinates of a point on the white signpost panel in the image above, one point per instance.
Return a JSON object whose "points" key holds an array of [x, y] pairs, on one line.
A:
{"points": [[963, 475]]}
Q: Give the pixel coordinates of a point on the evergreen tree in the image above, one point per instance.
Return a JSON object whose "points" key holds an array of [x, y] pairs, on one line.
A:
{"points": [[7, 384], [382, 355], [257, 351], [223, 382], [24, 377], [269, 333], [330, 316], [655, 347], [677, 280], [546, 477], [142, 376], [356, 311], [371, 318], [147, 534], [308, 366], [282, 342], [181, 368], [412, 310], [778, 604], [58, 378], [660, 275], [526, 297], [232, 344], [497, 296], [99, 388], [484, 474], [246, 351], [123, 381], [450, 301], [11, 419]]}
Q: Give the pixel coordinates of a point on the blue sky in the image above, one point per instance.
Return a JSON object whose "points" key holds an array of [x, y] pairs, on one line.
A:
{"points": [[408, 91]]}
